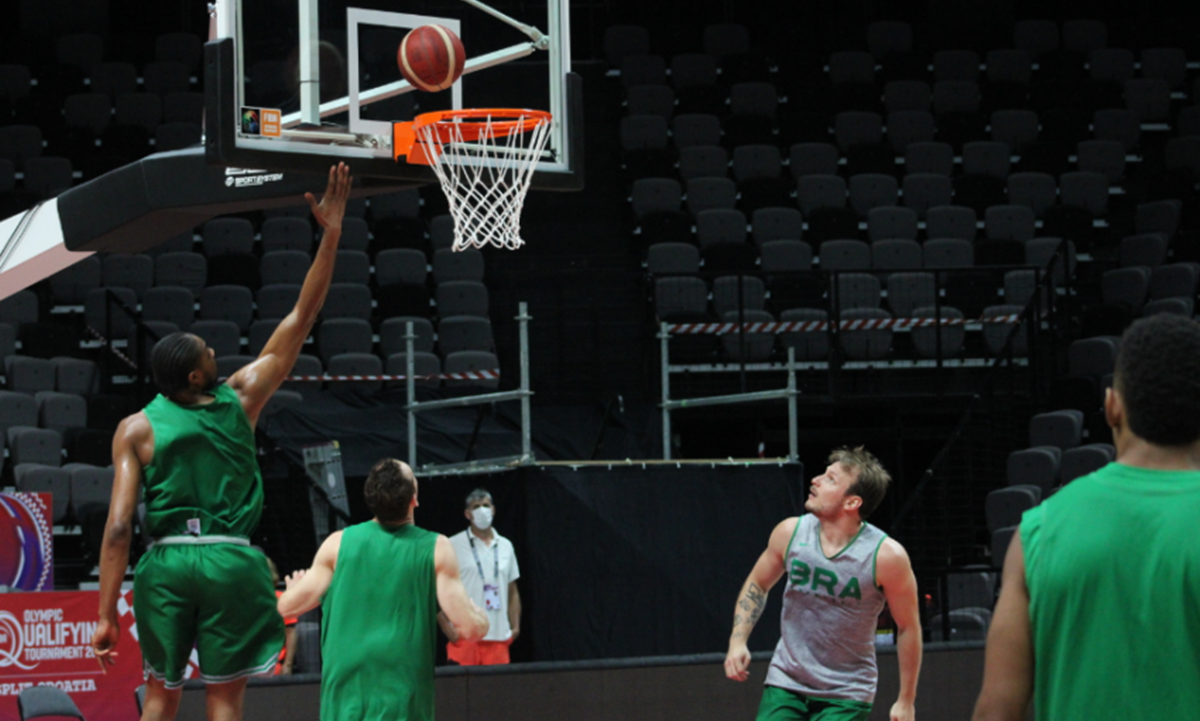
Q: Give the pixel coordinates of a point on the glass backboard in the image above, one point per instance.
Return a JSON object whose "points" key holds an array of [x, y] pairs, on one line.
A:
{"points": [[297, 84]]}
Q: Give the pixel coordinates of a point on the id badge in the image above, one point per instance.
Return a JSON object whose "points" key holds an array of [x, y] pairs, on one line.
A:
{"points": [[491, 597]]}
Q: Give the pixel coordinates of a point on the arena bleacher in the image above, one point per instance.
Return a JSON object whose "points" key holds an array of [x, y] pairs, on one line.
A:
{"points": [[933, 212]]}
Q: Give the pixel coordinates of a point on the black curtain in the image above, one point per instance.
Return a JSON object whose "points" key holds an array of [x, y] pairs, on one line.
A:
{"points": [[627, 561], [619, 560]]}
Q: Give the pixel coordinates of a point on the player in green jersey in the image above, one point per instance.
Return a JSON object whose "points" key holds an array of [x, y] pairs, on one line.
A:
{"points": [[380, 584], [192, 450], [1097, 618]]}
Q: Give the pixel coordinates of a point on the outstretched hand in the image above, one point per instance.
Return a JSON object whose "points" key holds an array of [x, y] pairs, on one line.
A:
{"points": [[293, 579], [332, 208]]}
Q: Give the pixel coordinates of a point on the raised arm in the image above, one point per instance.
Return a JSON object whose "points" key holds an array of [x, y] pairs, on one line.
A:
{"points": [[468, 621], [258, 381], [118, 531], [893, 572], [753, 599], [306, 588], [1008, 661]]}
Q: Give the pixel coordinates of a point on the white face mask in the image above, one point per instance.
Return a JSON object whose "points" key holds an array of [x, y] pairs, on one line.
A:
{"points": [[482, 517]]}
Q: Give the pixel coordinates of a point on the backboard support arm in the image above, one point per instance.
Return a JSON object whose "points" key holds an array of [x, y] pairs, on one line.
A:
{"points": [[400, 87], [540, 40], [310, 63]]}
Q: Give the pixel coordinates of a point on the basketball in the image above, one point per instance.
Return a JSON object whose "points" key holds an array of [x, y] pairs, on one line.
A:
{"points": [[431, 58]]}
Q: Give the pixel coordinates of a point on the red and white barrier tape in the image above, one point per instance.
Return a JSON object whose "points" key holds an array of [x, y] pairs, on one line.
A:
{"points": [[104, 342], [468, 376], [809, 326]]}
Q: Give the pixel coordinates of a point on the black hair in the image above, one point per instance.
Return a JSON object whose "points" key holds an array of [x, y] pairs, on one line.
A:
{"points": [[173, 359], [1158, 377], [389, 490]]}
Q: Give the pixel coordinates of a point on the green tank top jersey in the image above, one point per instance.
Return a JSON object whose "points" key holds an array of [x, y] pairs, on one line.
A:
{"points": [[379, 626], [1113, 570], [204, 469]]}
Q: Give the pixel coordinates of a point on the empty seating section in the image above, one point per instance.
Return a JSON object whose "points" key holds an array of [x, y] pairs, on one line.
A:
{"points": [[934, 160], [950, 176], [1059, 453], [886, 178]]}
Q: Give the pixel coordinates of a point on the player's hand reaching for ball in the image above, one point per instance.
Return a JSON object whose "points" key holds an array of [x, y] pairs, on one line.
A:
{"points": [[104, 641], [737, 662], [294, 578], [332, 208]]}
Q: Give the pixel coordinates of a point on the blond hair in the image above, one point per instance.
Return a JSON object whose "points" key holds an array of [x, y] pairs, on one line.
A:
{"points": [[871, 481]]}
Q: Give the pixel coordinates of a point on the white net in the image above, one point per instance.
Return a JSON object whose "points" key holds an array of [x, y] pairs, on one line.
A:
{"points": [[486, 177]]}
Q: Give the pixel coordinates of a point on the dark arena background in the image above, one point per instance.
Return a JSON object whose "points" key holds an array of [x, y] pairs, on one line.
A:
{"points": [[916, 226]]}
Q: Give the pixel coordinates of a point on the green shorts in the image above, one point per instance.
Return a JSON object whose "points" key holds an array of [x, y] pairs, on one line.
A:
{"points": [[779, 704], [217, 598]]}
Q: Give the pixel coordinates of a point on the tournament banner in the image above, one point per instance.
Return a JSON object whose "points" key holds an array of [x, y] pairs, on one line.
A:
{"points": [[45, 639], [26, 541]]}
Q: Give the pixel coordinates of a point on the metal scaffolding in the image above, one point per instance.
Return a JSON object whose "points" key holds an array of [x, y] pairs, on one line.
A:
{"points": [[789, 393], [522, 394]]}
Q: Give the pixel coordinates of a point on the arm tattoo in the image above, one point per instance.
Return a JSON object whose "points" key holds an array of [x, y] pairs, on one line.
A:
{"points": [[756, 596], [753, 602]]}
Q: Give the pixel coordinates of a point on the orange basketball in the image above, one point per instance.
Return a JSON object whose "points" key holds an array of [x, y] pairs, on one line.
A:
{"points": [[431, 58]]}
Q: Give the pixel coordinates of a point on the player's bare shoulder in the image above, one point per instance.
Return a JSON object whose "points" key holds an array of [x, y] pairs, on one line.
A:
{"points": [[134, 434], [135, 430], [891, 562], [786, 527], [249, 381], [134, 424], [893, 551], [327, 554], [781, 536], [444, 557]]}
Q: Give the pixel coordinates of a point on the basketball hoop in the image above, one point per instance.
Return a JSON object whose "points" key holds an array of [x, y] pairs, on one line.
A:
{"points": [[484, 177]]}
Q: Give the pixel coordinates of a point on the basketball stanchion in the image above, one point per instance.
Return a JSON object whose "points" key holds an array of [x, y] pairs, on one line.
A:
{"points": [[484, 160]]}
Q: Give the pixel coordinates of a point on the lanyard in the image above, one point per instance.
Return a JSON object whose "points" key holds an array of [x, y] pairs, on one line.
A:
{"points": [[495, 557]]}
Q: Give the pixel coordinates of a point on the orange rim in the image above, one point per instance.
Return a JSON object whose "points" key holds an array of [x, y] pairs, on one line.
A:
{"points": [[454, 125]]}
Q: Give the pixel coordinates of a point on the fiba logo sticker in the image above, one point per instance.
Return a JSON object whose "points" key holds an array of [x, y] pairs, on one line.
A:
{"points": [[26, 542]]}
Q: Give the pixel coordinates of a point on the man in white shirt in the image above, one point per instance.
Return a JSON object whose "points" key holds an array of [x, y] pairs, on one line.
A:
{"points": [[489, 573]]}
